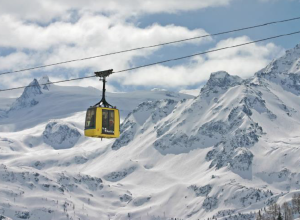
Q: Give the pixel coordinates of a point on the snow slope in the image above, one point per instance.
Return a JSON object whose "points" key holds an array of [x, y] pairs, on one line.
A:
{"points": [[225, 153]]}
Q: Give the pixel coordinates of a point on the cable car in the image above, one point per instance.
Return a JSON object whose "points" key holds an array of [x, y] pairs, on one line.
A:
{"points": [[102, 120]]}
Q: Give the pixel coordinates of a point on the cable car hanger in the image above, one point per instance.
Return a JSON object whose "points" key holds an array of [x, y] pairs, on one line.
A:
{"points": [[103, 75]]}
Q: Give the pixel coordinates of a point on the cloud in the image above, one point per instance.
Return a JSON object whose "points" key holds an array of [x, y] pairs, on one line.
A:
{"points": [[241, 61], [15, 60], [47, 10], [91, 35], [89, 31], [78, 29]]}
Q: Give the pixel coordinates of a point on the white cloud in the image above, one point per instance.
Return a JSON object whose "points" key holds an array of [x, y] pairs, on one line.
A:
{"points": [[100, 32], [90, 35], [252, 50], [46, 10], [241, 61], [93, 34], [15, 60]]}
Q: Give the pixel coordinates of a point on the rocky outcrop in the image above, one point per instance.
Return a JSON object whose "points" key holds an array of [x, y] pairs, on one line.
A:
{"points": [[28, 97], [61, 135], [45, 83], [31, 93]]}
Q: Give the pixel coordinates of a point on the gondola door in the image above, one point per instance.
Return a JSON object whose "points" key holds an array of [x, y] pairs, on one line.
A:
{"points": [[108, 122]]}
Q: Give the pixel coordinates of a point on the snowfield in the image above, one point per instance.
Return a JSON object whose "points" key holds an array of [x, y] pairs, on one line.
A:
{"points": [[225, 152]]}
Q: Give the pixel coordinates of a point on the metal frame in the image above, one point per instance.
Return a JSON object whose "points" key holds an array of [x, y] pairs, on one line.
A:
{"points": [[103, 75], [94, 127]]}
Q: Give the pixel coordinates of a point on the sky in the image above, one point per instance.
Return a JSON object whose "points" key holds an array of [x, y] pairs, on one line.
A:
{"points": [[39, 32]]}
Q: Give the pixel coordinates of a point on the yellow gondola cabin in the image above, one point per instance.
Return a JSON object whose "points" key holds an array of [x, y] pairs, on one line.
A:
{"points": [[102, 120]]}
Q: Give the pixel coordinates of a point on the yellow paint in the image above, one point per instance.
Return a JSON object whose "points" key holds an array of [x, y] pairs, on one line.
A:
{"points": [[97, 131]]}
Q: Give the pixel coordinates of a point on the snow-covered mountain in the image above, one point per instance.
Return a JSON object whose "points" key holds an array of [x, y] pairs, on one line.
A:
{"points": [[225, 153]]}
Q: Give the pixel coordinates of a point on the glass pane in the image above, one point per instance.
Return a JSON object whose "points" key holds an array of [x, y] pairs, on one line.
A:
{"points": [[107, 121], [111, 121], [104, 120], [90, 118]]}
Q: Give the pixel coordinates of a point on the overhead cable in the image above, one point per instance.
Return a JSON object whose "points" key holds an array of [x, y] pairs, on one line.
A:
{"points": [[164, 61], [151, 46]]}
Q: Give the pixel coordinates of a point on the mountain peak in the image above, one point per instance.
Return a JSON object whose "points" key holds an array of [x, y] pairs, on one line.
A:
{"points": [[288, 63], [45, 80], [27, 97], [221, 79], [32, 89], [219, 74]]}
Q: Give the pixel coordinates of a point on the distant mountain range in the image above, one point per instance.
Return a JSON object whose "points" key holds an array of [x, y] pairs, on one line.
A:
{"points": [[225, 153]]}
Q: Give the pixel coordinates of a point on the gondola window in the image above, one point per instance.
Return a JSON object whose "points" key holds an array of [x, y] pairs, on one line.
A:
{"points": [[90, 118], [108, 121]]}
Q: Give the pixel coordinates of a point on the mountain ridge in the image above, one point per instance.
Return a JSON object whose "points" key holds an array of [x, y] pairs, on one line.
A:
{"points": [[227, 152]]}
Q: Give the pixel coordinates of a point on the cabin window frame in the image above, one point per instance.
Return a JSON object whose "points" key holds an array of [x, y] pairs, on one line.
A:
{"points": [[94, 121], [107, 122]]}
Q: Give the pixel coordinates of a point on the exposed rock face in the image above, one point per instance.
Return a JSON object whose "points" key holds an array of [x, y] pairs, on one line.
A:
{"points": [[289, 63], [45, 83], [28, 97], [31, 93], [284, 71], [61, 135], [210, 203], [2, 217], [125, 198], [247, 196], [201, 191], [118, 175], [181, 126], [22, 215], [72, 182], [142, 118], [220, 81]]}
